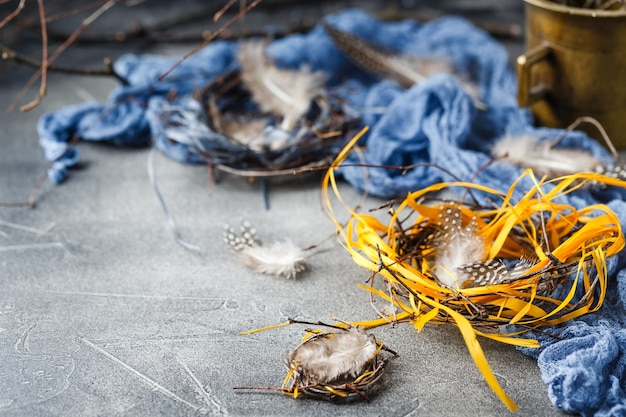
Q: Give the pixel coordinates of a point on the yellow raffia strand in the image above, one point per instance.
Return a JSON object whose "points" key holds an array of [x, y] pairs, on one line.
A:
{"points": [[584, 237], [262, 329], [310, 334], [364, 375], [291, 391], [334, 391]]}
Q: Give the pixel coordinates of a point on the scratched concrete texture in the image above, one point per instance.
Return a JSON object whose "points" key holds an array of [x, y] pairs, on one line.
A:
{"points": [[102, 313]]}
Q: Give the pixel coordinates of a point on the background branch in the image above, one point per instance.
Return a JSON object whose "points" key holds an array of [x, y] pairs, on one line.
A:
{"points": [[12, 55]]}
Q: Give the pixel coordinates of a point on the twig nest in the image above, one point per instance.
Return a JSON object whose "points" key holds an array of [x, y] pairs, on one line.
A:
{"points": [[530, 262], [335, 364], [256, 121]]}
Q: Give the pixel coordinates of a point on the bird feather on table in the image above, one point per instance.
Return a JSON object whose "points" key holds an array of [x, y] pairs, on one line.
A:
{"points": [[281, 258]]}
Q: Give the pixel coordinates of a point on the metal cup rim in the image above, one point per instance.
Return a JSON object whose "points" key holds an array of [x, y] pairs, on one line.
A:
{"points": [[578, 11]]}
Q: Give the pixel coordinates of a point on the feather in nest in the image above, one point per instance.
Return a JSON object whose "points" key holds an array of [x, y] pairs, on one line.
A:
{"points": [[339, 363], [327, 357], [527, 151], [281, 259], [545, 158], [286, 93], [457, 260], [246, 131], [455, 246], [405, 69]]}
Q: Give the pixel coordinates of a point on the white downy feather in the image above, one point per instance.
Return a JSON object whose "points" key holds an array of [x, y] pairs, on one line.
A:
{"points": [[282, 259], [331, 356], [526, 151], [284, 92]]}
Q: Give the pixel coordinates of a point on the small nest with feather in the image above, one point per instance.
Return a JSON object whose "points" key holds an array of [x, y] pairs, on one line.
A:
{"points": [[340, 363], [258, 120], [337, 364]]}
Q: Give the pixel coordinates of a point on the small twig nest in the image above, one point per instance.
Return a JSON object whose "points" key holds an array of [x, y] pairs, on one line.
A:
{"points": [[340, 363]]}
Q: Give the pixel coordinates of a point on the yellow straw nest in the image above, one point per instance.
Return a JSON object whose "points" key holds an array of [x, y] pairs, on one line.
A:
{"points": [[563, 250], [339, 363]]}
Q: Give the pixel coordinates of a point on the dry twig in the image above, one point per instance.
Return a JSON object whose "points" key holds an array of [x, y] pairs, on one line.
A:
{"points": [[210, 39], [12, 15], [58, 51]]}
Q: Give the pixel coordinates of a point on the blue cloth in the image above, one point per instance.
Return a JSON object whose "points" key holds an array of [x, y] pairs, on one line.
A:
{"points": [[125, 119], [432, 122]]}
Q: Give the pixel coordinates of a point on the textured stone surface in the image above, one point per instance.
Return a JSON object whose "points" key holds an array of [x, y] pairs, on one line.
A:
{"points": [[103, 314]]}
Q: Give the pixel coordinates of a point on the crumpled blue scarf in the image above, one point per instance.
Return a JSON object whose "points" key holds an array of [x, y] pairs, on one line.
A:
{"points": [[431, 122]]}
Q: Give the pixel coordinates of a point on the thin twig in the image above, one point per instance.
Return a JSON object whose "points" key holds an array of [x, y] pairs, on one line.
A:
{"points": [[43, 71], [210, 39], [33, 194], [597, 125], [71, 39], [44, 53], [71, 12], [223, 10], [12, 15], [32, 198], [10, 54]]}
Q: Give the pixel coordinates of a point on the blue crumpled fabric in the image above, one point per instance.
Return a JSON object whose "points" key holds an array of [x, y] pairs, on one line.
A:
{"points": [[124, 120], [432, 122]]}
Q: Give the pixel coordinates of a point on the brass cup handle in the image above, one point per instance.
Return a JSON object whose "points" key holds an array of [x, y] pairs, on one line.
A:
{"points": [[527, 94]]}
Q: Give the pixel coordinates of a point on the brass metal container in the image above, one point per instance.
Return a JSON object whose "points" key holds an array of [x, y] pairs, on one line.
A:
{"points": [[574, 65]]}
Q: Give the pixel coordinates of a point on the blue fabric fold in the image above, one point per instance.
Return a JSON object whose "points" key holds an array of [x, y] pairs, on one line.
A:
{"points": [[124, 119], [583, 362]]}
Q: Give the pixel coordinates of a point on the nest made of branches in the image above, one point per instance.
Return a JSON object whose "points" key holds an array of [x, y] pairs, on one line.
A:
{"points": [[300, 382], [567, 249], [260, 147]]}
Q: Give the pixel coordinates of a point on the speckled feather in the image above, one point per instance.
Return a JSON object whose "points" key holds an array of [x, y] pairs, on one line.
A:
{"points": [[281, 259], [455, 246], [494, 272], [458, 254], [405, 69]]}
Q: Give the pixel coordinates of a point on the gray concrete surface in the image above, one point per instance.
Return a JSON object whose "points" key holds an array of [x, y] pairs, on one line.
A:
{"points": [[103, 314]]}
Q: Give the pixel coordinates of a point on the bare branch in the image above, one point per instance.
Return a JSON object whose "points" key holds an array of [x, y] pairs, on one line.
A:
{"points": [[65, 13], [83, 26], [33, 194], [11, 15], [10, 54], [210, 39], [223, 10], [44, 60]]}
